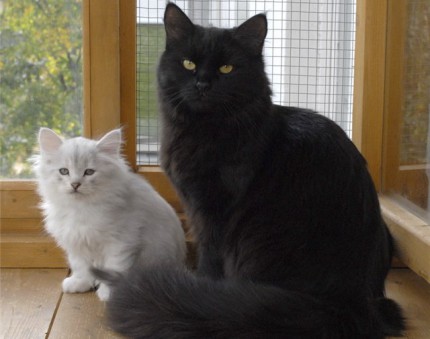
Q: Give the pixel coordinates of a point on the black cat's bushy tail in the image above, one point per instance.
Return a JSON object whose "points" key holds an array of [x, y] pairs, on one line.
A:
{"points": [[176, 304]]}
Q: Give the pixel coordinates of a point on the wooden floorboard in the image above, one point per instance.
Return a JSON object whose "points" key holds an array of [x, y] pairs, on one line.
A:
{"points": [[413, 293], [32, 306], [28, 301], [86, 310]]}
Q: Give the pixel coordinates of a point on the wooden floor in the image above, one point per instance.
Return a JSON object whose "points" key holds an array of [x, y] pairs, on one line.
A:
{"points": [[32, 306]]}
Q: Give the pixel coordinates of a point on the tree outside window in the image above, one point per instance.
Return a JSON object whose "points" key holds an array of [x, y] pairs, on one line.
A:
{"points": [[40, 76]]}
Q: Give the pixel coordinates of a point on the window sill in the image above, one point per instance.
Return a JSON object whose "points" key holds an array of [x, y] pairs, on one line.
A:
{"points": [[20, 217], [411, 234]]}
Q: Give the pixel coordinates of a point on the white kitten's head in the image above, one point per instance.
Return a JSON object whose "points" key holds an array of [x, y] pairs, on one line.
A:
{"points": [[77, 167]]}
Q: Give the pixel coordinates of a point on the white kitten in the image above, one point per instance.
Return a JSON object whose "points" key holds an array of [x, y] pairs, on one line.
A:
{"points": [[101, 213]]}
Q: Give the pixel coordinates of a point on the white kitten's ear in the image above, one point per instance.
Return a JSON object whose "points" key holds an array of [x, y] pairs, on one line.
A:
{"points": [[111, 143], [49, 141]]}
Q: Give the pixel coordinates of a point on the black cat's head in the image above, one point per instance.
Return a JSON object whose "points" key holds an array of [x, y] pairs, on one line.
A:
{"points": [[208, 69]]}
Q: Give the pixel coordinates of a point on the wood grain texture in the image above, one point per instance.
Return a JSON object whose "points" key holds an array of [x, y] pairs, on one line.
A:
{"points": [[17, 250], [81, 315], [17, 185], [101, 67], [19, 204], [22, 226], [127, 44], [369, 82], [411, 234], [394, 92], [32, 306], [28, 301], [413, 294]]}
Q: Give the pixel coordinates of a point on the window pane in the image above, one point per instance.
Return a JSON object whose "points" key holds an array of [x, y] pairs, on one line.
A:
{"points": [[40, 76], [309, 55], [408, 109], [150, 44]]}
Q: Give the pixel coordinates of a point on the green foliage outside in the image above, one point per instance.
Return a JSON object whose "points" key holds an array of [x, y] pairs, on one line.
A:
{"points": [[40, 76], [150, 45]]}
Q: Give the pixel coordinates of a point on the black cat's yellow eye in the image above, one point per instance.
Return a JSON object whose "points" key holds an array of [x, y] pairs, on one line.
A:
{"points": [[89, 171], [63, 171], [225, 69], [189, 65]]}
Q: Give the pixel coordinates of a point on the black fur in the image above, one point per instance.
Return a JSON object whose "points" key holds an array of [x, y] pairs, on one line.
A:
{"points": [[290, 235]]}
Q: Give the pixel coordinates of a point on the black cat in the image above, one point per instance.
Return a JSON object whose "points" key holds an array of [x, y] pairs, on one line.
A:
{"points": [[291, 242]]}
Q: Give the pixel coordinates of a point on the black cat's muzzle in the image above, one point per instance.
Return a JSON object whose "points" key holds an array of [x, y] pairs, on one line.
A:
{"points": [[203, 87]]}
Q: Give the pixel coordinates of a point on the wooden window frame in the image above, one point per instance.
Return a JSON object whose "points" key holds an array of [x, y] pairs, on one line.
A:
{"points": [[110, 102], [376, 69]]}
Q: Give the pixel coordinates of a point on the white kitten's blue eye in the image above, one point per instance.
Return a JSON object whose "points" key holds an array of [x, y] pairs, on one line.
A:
{"points": [[89, 171], [64, 171]]}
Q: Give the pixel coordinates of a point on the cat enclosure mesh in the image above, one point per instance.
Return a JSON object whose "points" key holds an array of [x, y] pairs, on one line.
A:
{"points": [[309, 55]]}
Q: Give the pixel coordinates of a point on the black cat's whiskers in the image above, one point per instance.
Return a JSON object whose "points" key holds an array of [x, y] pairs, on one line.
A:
{"points": [[175, 98]]}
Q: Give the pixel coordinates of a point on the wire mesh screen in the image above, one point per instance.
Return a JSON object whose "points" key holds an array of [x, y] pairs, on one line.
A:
{"points": [[309, 55]]}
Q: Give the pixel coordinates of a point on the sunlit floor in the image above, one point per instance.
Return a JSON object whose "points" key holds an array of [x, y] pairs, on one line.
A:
{"points": [[33, 306]]}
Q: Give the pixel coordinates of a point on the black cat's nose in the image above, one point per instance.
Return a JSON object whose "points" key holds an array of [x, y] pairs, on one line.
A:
{"points": [[203, 86], [75, 185]]}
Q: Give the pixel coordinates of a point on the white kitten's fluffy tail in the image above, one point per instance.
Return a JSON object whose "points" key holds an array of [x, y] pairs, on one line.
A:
{"points": [[173, 303]]}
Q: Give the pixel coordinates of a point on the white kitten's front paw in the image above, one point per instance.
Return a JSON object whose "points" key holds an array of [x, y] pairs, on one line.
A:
{"points": [[76, 285], [103, 292]]}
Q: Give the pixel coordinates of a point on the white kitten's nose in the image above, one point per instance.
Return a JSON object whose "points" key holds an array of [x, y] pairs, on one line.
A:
{"points": [[75, 185]]}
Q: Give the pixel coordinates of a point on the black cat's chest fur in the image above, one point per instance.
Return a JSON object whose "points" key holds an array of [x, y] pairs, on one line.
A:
{"points": [[212, 160], [267, 188]]}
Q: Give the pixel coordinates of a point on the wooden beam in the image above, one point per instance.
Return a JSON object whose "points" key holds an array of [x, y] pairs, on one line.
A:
{"points": [[101, 67], [369, 81], [127, 12], [411, 234]]}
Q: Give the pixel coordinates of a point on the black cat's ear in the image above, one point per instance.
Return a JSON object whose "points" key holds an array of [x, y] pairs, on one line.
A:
{"points": [[178, 26], [252, 33]]}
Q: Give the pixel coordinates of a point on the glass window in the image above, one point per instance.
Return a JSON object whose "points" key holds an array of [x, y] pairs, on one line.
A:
{"points": [[407, 139], [40, 76]]}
